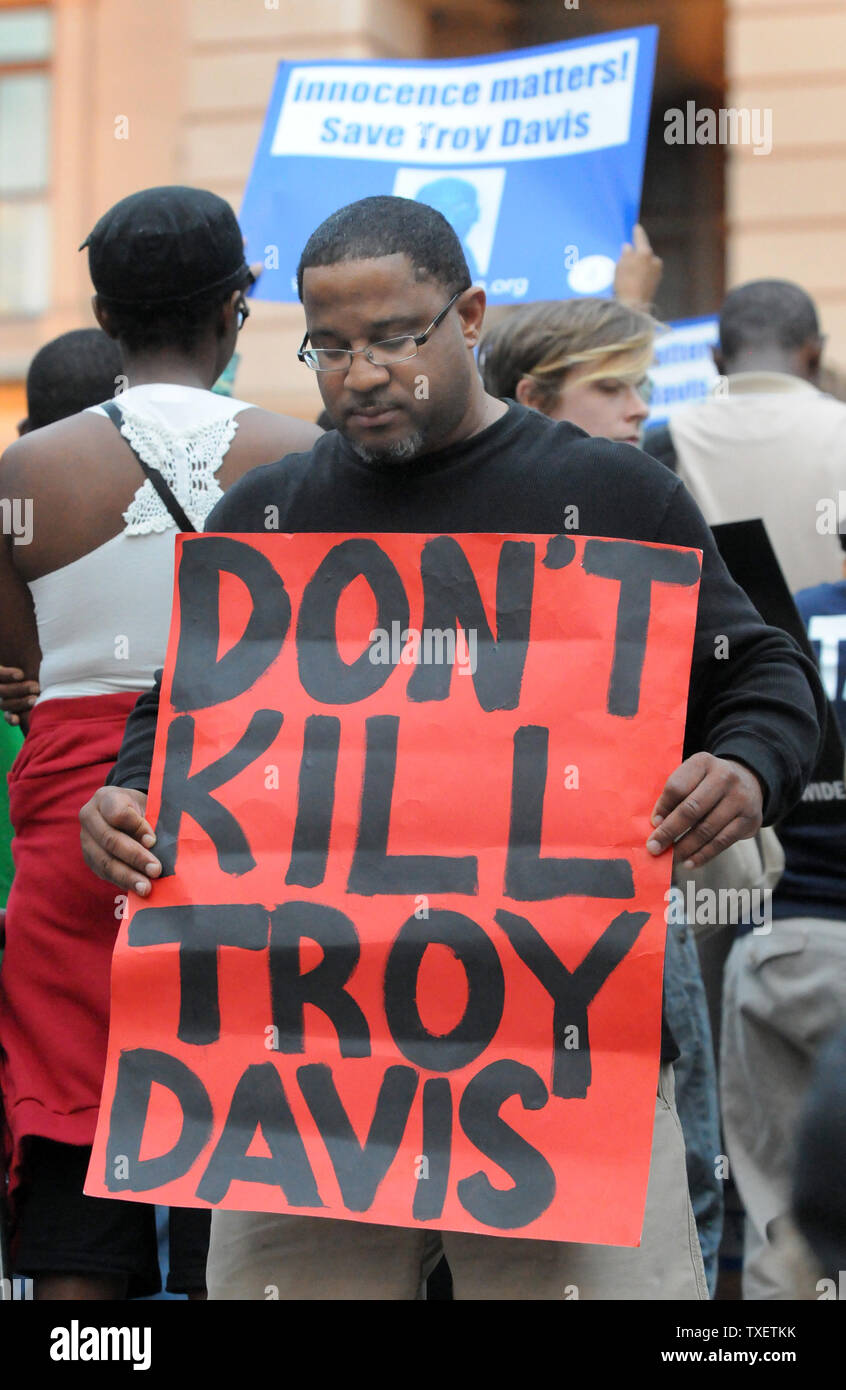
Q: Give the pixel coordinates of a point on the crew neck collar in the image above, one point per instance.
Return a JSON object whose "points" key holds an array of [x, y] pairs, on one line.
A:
{"points": [[439, 460], [764, 383]]}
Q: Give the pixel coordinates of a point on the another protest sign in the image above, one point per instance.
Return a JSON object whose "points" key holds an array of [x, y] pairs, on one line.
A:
{"points": [[684, 369], [405, 961], [560, 129]]}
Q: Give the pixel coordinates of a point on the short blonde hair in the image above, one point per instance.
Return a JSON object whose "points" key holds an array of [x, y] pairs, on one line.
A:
{"points": [[544, 340]]}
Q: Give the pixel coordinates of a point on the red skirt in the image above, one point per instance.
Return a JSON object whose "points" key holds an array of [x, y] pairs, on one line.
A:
{"points": [[61, 924]]}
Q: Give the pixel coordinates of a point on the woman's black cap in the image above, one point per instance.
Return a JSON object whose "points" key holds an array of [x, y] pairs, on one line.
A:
{"points": [[166, 245]]}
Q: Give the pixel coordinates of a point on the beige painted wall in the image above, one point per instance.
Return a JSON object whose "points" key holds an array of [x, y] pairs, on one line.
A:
{"points": [[786, 211], [192, 79], [109, 63]]}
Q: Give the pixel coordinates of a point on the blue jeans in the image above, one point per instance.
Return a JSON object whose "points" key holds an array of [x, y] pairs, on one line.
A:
{"points": [[697, 1102]]}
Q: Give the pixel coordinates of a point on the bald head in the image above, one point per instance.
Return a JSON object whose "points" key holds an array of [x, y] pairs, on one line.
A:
{"points": [[769, 325]]}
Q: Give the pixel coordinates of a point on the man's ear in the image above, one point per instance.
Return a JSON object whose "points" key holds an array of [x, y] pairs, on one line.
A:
{"points": [[471, 309], [811, 355], [101, 314], [719, 360]]}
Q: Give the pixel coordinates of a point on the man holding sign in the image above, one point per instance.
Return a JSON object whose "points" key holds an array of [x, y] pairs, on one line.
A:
{"points": [[441, 495]]}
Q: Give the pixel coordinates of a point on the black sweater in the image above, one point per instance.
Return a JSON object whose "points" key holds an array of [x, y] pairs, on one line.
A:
{"points": [[760, 705]]}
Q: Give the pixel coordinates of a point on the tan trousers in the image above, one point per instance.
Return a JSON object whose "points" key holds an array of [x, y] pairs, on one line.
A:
{"points": [[784, 993], [265, 1256]]}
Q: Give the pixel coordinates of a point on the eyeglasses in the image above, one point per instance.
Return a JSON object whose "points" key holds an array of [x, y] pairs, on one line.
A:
{"points": [[243, 312], [646, 389], [385, 353]]}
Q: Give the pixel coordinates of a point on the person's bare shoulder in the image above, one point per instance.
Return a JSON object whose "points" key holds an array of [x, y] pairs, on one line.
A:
{"points": [[13, 463], [264, 437], [35, 456]]}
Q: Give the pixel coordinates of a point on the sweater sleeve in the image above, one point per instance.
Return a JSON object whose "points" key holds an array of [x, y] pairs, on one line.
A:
{"points": [[135, 759], [754, 696]]}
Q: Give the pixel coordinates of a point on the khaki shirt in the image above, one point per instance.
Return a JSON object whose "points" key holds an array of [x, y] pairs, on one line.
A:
{"points": [[771, 446]]}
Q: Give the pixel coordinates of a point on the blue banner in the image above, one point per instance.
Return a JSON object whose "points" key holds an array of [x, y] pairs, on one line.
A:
{"points": [[684, 368], [535, 157]]}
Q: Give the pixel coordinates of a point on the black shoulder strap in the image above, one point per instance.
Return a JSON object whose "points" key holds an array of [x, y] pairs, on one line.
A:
{"points": [[116, 416]]}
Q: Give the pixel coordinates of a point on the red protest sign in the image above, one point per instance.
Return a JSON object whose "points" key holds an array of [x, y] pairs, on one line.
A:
{"points": [[405, 962]]}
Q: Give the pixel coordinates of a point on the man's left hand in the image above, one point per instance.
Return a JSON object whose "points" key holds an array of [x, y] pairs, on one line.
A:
{"points": [[707, 804]]}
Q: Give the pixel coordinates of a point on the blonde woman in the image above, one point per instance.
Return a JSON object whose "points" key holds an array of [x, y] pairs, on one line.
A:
{"points": [[583, 360]]}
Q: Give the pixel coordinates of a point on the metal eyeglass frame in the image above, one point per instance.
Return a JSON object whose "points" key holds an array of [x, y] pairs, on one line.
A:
{"points": [[418, 339]]}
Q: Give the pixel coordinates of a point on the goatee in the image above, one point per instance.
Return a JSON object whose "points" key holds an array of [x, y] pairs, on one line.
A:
{"points": [[398, 452]]}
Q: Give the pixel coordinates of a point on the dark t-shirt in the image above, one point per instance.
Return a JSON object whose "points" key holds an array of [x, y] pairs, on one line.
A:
{"points": [[814, 880], [757, 699]]}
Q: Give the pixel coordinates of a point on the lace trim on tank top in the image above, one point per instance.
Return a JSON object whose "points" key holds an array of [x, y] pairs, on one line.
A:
{"points": [[187, 461]]}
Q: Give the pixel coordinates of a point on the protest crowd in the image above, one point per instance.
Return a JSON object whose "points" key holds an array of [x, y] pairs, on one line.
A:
{"points": [[534, 421]]}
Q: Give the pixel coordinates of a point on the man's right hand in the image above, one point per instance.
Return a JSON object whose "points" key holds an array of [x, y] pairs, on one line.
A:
{"points": [[116, 838]]}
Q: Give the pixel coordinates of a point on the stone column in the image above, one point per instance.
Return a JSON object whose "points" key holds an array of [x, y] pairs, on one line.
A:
{"points": [[786, 210]]}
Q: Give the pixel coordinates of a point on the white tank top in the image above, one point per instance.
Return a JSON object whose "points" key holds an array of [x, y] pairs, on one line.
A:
{"points": [[103, 620]]}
